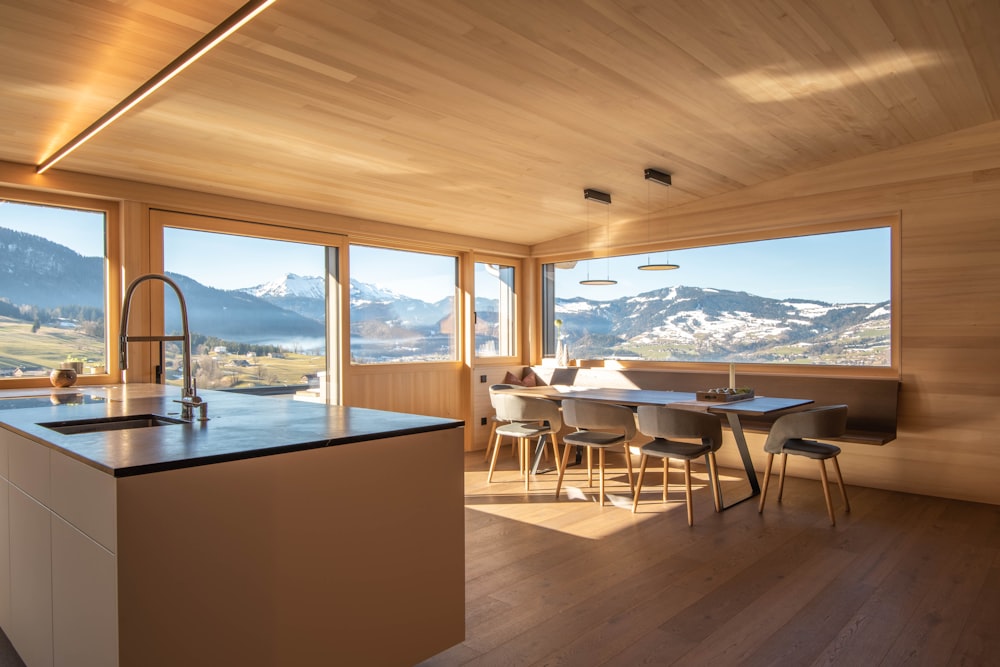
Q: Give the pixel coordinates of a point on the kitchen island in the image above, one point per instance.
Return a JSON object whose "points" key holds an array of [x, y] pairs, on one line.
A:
{"points": [[277, 532]]}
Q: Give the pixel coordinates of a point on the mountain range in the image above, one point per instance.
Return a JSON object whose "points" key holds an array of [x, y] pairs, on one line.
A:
{"points": [[670, 323]]}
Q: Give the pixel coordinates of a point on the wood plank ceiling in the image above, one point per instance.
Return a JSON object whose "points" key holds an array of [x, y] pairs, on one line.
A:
{"points": [[489, 118]]}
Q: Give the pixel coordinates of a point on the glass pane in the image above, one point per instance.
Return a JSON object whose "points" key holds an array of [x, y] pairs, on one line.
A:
{"points": [[52, 289], [256, 310], [402, 306], [823, 299], [495, 321]]}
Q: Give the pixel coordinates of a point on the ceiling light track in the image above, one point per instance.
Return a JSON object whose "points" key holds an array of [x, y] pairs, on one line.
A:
{"points": [[237, 20]]}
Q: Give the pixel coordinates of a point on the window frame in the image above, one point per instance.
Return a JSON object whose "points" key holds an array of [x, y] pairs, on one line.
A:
{"points": [[460, 289], [160, 218], [112, 282], [517, 327], [544, 315]]}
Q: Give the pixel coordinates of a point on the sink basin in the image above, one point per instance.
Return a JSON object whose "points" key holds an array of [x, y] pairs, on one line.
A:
{"points": [[101, 424]]}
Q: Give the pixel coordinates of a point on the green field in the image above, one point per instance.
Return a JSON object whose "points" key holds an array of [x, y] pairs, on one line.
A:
{"points": [[38, 353]]}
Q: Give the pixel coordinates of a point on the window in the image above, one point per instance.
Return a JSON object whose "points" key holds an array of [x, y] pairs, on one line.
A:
{"points": [[495, 321], [822, 299], [402, 306], [53, 289], [257, 311]]}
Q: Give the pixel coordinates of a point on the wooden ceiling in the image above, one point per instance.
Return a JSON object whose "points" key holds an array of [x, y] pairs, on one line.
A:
{"points": [[489, 118]]}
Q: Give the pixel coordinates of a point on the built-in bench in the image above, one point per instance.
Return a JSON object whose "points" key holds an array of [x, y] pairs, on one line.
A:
{"points": [[871, 402]]}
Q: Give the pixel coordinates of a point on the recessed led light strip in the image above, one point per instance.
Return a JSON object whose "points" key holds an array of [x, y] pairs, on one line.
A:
{"points": [[237, 20]]}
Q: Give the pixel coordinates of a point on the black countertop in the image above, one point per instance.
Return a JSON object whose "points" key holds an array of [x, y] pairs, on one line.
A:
{"points": [[239, 426]]}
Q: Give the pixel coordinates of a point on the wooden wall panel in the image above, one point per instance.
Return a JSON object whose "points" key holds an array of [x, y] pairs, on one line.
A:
{"points": [[422, 389]]}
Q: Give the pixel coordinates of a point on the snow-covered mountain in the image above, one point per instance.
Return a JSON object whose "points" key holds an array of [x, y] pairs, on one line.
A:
{"points": [[305, 295], [291, 285], [700, 323]]}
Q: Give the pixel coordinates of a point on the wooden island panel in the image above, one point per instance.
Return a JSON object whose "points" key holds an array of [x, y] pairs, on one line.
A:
{"points": [[351, 554]]}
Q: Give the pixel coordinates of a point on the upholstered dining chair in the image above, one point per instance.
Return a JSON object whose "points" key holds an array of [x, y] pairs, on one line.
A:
{"points": [[598, 426], [793, 433], [527, 417], [495, 422], [680, 434]]}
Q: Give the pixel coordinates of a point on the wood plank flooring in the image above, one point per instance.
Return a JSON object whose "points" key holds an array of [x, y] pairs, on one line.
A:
{"points": [[902, 579]]}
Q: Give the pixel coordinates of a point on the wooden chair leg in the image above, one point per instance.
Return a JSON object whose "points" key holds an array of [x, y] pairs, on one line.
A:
{"points": [[562, 467], [590, 467], [493, 461], [767, 478], [638, 483], [489, 442], [526, 462], [687, 491], [826, 492], [600, 458], [840, 481], [628, 466], [666, 483], [713, 479], [781, 477]]}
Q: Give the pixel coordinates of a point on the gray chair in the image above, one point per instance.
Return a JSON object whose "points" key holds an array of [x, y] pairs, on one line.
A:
{"points": [[599, 426], [528, 417], [792, 433], [680, 434], [495, 422]]}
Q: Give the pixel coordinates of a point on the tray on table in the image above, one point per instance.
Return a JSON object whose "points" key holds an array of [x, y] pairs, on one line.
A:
{"points": [[721, 396]]}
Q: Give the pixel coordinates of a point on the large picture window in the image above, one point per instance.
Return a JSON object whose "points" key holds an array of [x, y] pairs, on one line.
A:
{"points": [[402, 306], [52, 289], [258, 320], [822, 299]]}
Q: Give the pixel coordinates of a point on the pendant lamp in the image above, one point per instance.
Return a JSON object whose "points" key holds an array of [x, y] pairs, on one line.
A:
{"points": [[663, 178], [602, 198]]}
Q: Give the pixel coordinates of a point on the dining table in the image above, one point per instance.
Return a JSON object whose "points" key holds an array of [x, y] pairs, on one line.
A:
{"points": [[757, 406]]}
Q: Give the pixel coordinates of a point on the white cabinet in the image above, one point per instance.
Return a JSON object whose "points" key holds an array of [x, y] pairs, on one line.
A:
{"points": [[4, 553], [30, 628], [84, 599], [58, 581]]}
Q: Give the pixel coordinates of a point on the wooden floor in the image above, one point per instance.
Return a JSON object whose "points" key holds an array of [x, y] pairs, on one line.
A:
{"points": [[902, 579]]}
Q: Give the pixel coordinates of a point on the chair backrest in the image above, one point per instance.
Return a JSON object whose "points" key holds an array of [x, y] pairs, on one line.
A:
{"points": [[495, 388], [595, 416], [514, 408], [674, 423], [826, 422]]}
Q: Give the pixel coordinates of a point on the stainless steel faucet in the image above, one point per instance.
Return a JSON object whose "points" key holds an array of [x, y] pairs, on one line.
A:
{"points": [[189, 396]]}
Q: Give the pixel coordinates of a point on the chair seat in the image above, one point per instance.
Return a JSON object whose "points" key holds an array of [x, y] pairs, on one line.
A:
{"points": [[664, 448], [811, 449], [594, 439], [523, 429]]}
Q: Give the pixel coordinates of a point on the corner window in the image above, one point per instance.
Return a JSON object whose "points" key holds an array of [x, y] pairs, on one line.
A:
{"points": [[822, 299], [53, 289], [495, 322], [402, 306]]}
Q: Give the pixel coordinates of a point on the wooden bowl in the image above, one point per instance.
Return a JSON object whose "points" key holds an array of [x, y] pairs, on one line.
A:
{"points": [[62, 377]]}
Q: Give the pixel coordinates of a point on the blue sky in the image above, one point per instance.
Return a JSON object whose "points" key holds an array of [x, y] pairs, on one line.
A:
{"points": [[838, 267], [83, 231]]}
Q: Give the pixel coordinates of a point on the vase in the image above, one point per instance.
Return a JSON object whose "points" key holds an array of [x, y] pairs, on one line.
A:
{"points": [[62, 377], [562, 353]]}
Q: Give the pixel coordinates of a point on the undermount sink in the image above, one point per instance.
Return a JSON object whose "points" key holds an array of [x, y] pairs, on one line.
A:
{"points": [[101, 424]]}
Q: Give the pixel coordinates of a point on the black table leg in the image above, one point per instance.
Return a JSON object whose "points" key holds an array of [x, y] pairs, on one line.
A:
{"points": [[741, 443]]}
